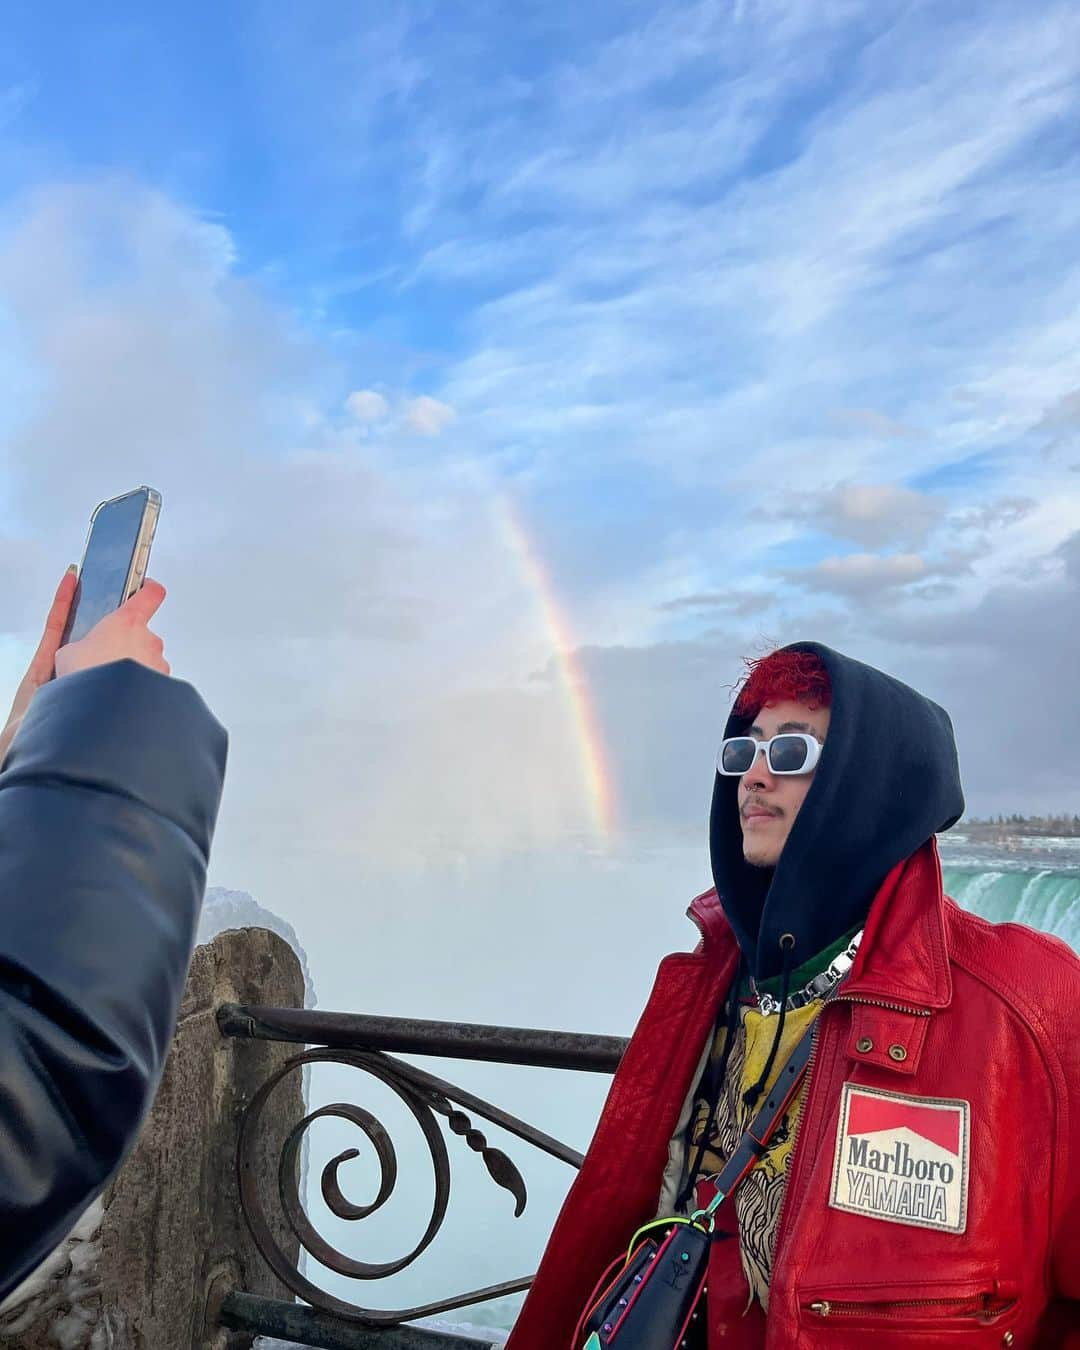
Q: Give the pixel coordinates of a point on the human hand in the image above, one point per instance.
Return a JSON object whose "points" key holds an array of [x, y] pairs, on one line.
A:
{"points": [[123, 633], [42, 664], [110, 640]]}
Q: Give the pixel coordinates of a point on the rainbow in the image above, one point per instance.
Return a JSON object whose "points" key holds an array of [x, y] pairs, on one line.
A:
{"points": [[598, 779]]}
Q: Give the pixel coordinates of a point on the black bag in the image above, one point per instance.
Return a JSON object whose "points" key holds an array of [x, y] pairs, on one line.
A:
{"points": [[652, 1303]]}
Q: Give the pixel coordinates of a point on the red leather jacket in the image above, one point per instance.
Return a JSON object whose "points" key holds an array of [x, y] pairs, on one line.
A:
{"points": [[934, 1192]]}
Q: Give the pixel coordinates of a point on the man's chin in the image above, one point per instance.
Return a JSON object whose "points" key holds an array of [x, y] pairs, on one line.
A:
{"points": [[758, 858]]}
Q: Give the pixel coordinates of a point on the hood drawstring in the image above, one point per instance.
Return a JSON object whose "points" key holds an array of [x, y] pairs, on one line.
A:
{"points": [[787, 946]]}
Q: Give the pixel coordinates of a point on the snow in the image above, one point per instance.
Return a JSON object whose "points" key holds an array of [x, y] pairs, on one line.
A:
{"points": [[486, 1334], [490, 1335], [65, 1276], [224, 909]]}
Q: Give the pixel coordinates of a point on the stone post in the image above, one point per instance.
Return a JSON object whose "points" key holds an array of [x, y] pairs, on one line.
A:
{"points": [[168, 1238]]}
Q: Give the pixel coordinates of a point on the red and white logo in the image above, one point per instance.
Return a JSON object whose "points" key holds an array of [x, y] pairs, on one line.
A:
{"points": [[902, 1159]]}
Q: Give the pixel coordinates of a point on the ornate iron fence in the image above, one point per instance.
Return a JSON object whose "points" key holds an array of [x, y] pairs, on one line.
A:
{"points": [[366, 1043]]}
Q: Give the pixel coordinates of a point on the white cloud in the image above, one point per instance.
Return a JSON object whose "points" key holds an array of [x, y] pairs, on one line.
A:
{"points": [[664, 278], [427, 415], [366, 406], [877, 514], [738, 602], [1002, 667], [696, 284], [996, 515], [863, 575]]}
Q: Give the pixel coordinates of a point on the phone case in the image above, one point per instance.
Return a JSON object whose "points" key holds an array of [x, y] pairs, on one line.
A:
{"points": [[140, 554]]}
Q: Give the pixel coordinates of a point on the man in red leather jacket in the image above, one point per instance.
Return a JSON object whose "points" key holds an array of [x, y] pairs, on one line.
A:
{"points": [[928, 1188]]}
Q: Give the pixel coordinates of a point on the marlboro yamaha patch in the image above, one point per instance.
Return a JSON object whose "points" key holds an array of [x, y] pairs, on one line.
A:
{"points": [[902, 1159]]}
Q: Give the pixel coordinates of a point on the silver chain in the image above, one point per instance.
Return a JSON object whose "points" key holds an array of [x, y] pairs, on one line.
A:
{"points": [[818, 987]]}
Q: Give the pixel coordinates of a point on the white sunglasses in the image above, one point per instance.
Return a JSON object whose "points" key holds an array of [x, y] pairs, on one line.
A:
{"points": [[791, 752]]}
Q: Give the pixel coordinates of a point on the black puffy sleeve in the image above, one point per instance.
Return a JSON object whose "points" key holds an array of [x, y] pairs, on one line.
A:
{"points": [[108, 800]]}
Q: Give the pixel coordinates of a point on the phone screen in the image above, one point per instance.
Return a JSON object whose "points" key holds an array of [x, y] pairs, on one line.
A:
{"points": [[106, 563]]}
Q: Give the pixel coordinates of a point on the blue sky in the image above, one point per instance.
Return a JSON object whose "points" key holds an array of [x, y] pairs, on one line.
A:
{"points": [[764, 314]]}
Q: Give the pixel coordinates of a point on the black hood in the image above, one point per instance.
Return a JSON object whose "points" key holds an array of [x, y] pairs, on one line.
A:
{"points": [[888, 779]]}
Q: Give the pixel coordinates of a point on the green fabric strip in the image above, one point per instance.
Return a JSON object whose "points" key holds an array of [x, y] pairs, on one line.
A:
{"points": [[802, 974]]}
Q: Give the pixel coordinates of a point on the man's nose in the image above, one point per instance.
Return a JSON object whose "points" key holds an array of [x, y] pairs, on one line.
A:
{"points": [[759, 774]]}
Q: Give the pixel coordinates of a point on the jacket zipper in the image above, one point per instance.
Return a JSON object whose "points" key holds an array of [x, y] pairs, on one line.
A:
{"points": [[984, 1306], [837, 998], [882, 1003], [807, 1077], [701, 941]]}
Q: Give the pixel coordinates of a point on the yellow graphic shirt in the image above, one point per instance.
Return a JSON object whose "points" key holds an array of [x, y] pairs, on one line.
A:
{"points": [[759, 1199]]}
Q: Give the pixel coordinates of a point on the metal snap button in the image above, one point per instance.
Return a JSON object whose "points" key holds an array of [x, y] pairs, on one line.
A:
{"points": [[864, 1045], [897, 1052], [1008, 1338]]}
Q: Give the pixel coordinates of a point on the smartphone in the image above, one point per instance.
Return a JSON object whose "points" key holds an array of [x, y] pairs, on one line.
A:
{"points": [[114, 561]]}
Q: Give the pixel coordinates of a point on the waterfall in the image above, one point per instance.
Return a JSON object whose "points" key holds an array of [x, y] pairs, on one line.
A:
{"points": [[1048, 899]]}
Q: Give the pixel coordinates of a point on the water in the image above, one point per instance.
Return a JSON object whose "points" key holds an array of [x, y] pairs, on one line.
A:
{"points": [[1035, 882]]}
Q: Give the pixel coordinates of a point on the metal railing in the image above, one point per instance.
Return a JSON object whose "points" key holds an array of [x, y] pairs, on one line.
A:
{"points": [[366, 1043]]}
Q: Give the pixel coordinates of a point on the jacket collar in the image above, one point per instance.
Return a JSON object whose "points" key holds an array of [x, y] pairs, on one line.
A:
{"points": [[903, 957]]}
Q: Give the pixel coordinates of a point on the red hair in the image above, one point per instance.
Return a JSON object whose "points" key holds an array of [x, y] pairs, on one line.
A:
{"points": [[780, 676]]}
